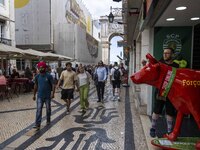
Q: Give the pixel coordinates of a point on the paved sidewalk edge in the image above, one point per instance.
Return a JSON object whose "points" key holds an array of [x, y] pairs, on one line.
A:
{"points": [[146, 124]]}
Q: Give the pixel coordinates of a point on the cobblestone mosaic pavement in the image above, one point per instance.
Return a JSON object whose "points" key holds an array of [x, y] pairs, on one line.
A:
{"points": [[111, 125]]}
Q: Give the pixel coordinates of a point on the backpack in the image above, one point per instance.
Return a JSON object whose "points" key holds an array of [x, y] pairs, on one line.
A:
{"points": [[117, 74]]}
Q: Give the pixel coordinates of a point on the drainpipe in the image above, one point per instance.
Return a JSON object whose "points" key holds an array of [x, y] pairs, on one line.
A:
{"points": [[134, 52]]}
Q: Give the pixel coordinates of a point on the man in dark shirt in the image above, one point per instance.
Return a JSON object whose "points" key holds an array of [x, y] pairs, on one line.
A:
{"points": [[160, 102], [15, 74], [45, 91], [28, 74]]}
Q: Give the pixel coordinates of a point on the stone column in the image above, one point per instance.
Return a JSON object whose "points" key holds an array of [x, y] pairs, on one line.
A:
{"points": [[105, 52]]}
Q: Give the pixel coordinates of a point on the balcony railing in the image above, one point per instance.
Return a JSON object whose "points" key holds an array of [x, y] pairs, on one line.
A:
{"points": [[5, 41]]}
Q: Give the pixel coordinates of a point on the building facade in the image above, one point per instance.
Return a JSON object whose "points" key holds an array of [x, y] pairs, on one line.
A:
{"points": [[7, 22], [7, 29], [154, 32], [60, 26]]}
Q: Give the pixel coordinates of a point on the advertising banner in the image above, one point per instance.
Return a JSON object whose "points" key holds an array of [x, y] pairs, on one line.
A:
{"points": [[178, 38], [77, 13]]}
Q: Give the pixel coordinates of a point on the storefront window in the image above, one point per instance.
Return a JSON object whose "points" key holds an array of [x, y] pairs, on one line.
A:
{"points": [[1, 30], [2, 2], [20, 64]]}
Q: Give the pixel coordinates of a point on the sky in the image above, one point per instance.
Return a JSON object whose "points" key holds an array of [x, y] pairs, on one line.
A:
{"points": [[101, 8]]}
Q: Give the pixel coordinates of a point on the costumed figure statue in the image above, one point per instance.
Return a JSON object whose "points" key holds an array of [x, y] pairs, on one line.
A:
{"points": [[181, 86]]}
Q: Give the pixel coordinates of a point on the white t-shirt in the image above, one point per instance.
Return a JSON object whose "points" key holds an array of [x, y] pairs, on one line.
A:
{"points": [[83, 79]]}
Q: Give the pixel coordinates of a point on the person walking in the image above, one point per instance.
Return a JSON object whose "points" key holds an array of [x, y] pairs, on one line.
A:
{"points": [[69, 79], [101, 75], [28, 74], [83, 79], [10, 69], [160, 102], [59, 69], [43, 87], [115, 78]]}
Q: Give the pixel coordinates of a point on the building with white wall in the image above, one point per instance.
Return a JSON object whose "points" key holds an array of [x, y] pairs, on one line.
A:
{"points": [[60, 26], [7, 22], [7, 29]]}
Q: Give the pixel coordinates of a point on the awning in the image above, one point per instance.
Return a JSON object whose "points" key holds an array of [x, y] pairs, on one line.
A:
{"points": [[10, 51], [13, 52], [47, 56], [60, 57], [4, 18]]}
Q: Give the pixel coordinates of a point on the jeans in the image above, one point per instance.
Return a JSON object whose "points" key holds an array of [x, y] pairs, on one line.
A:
{"points": [[100, 90], [40, 103]]}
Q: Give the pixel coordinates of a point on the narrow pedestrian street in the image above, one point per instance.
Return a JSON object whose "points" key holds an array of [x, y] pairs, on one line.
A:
{"points": [[111, 125]]}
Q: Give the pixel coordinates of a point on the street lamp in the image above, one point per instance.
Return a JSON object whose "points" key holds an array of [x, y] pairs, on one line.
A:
{"points": [[111, 18], [130, 11]]}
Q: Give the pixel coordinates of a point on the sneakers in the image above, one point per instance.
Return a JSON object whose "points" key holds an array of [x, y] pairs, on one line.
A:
{"points": [[83, 111], [36, 127], [153, 132], [118, 98], [67, 112]]}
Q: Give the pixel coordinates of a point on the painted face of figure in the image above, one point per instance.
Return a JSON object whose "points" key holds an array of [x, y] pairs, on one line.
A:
{"points": [[167, 55]]}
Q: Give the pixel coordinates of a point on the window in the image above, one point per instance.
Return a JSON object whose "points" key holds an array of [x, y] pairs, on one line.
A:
{"points": [[2, 2], [1, 30], [20, 64]]}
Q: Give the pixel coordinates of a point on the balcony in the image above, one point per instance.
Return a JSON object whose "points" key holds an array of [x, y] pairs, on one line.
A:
{"points": [[5, 41]]}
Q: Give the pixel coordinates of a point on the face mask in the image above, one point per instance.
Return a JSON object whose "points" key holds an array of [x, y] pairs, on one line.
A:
{"points": [[42, 70]]}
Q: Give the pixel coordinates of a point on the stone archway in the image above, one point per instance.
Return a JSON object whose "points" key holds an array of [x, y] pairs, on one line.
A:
{"points": [[108, 31]]}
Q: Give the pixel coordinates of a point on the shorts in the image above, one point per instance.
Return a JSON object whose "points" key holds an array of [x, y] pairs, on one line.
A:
{"points": [[67, 94], [116, 84], [169, 108]]}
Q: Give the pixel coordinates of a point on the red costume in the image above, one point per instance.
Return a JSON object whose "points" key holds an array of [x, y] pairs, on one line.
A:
{"points": [[181, 86]]}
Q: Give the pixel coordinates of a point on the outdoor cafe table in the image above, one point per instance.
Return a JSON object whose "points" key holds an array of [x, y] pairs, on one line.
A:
{"points": [[18, 83], [20, 80], [3, 87]]}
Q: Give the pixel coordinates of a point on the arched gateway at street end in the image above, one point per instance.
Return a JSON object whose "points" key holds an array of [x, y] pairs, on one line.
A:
{"points": [[110, 30]]}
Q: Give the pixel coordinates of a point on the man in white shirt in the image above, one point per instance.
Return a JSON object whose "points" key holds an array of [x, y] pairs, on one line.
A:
{"points": [[115, 78], [102, 76]]}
